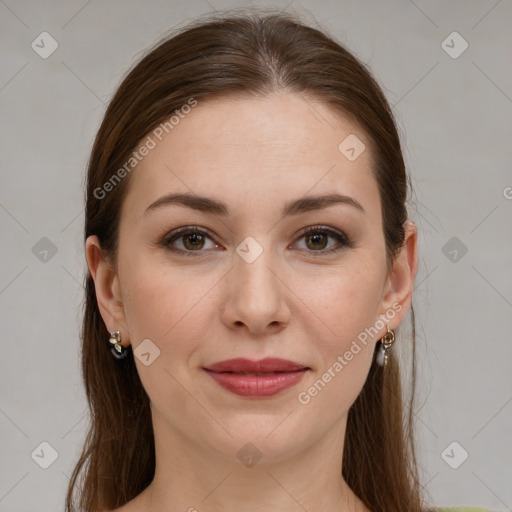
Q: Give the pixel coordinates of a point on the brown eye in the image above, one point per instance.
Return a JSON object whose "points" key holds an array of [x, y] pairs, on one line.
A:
{"points": [[188, 241], [318, 241], [193, 241]]}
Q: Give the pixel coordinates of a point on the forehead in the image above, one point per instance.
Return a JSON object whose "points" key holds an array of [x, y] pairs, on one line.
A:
{"points": [[240, 148]]}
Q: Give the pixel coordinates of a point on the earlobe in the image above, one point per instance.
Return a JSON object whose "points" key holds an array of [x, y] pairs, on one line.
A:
{"points": [[108, 293], [400, 281]]}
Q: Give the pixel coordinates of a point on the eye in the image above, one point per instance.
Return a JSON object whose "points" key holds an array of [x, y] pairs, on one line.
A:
{"points": [[191, 240], [316, 238]]}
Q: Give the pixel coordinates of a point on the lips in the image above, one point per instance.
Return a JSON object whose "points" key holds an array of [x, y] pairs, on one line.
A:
{"points": [[256, 379], [263, 366]]}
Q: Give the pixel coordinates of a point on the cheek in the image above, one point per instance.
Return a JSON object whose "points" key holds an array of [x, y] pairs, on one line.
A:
{"points": [[347, 300], [347, 308], [164, 303], [173, 310], [346, 303]]}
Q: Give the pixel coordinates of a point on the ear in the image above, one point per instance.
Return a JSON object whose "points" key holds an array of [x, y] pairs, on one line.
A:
{"points": [[108, 292], [400, 281]]}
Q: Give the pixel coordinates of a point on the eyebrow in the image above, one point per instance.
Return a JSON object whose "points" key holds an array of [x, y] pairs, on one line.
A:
{"points": [[216, 207]]}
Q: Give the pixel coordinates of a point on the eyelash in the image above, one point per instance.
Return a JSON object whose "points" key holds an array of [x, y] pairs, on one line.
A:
{"points": [[343, 240]]}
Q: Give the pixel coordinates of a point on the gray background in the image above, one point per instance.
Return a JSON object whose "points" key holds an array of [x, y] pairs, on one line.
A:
{"points": [[455, 119]]}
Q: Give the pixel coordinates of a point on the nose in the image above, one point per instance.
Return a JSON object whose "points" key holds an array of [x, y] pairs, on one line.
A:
{"points": [[256, 296]]}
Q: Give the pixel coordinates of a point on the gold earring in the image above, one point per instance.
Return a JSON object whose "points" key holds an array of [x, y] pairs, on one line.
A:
{"points": [[118, 351], [385, 345]]}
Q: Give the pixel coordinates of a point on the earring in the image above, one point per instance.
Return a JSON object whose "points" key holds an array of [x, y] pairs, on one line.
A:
{"points": [[385, 345], [118, 351]]}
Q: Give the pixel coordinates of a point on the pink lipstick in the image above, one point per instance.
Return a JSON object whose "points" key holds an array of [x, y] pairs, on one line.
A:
{"points": [[256, 379]]}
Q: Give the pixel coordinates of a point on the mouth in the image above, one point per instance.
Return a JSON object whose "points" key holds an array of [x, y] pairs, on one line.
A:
{"points": [[257, 379], [263, 366], [257, 374]]}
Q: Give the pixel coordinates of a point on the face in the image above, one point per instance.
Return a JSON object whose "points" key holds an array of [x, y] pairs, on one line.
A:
{"points": [[248, 282]]}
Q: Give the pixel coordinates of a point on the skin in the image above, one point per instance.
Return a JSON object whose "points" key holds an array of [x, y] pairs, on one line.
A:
{"points": [[254, 154]]}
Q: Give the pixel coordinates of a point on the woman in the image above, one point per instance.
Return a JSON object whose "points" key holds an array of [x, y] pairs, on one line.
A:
{"points": [[250, 260]]}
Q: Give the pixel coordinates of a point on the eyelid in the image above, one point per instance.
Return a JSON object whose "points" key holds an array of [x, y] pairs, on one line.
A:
{"points": [[324, 229], [180, 232], [343, 240]]}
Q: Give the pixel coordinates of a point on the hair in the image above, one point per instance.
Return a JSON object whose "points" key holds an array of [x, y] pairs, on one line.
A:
{"points": [[248, 54]]}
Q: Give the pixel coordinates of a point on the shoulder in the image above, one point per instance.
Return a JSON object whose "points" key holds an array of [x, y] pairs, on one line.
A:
{"points": [[462, 509]]}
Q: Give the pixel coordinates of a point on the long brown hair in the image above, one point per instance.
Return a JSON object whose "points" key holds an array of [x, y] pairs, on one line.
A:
{"points": [[231, 54]]}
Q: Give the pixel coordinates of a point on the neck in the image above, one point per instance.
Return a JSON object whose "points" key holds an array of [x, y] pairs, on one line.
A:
{"points": [[192, 476]]}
